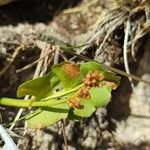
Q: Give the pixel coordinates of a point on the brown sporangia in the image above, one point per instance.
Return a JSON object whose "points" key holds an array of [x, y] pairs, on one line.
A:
{"points": [[84, 92], [92, 79], [72, 70], [75, 103]]}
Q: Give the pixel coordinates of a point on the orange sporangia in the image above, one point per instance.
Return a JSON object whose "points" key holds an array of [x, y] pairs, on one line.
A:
{"points": [[92, 79], [75, 103], [84, 92], [72, 70], [97, 75]]}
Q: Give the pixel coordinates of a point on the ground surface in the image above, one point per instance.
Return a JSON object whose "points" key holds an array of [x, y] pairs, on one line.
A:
{"points": [[27, 26]]}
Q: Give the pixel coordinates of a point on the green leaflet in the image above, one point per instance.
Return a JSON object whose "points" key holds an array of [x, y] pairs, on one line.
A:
{"points": [[54, 81], [90, 66], [68, 80], [100, 96], [47, 116], [87, 111], [112, 77], [37, 87]]}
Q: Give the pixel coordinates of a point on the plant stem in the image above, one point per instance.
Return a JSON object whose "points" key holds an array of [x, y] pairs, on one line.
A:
{"points": [[15, 102], [29, 103], [46, 102], [62, 93]]}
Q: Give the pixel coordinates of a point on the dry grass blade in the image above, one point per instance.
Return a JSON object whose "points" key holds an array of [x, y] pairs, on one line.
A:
{"points": [[115, 24], [125, 47]]}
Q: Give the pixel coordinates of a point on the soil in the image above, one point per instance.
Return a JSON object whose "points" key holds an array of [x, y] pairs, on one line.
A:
{"points": [[26, 26]]}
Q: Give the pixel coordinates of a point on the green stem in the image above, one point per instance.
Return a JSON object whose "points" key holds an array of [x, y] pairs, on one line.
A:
{"points": [[62, 93], [28, 103], [48, 101], [15, 102]]}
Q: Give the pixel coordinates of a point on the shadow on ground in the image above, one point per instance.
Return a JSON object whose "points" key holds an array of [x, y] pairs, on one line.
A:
{"points": [[33, 11]]}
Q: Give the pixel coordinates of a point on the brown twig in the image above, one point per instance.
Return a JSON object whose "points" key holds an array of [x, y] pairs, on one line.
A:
{"points": [[64, 134]]}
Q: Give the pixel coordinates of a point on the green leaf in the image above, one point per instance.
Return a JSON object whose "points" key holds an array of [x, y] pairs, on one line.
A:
{"points": [[54, 81], [87, 111], [90, 66], [70, 78], [47, 116], [112, 77], [100, 96], [37, 87]]}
